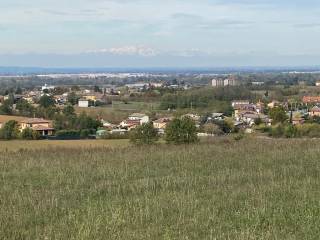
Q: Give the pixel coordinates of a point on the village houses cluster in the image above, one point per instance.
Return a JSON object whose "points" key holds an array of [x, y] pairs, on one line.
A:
{"points": [[245, 114]]}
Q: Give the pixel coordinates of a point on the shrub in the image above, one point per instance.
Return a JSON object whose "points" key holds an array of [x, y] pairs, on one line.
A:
{"points": [[238, 137], [84, 133], [109, 135], [68, 133], [211, 128], [290, 131], [29, 134], [277, 131]]}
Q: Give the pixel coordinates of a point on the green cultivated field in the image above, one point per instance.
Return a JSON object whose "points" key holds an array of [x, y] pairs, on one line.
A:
{"points": [[251, 189]]}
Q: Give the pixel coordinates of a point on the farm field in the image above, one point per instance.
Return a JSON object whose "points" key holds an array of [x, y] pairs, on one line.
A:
{"points": [[5, 118], [222, 189], [21, 145]]}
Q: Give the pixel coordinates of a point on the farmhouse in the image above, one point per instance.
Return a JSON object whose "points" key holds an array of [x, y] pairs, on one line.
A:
{"points": [[42, 126]]}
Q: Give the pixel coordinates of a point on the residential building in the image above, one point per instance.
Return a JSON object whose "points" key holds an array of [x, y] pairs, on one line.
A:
{"points": [[83, 103], [217, 82], [315, 111], [42, 126], [194, 117], [235, 103], [220, 82], [298, 120], [47, 87], [311, 99], [130, 124], [273, 104], [250, 118], [161, 123], [142, 118]]}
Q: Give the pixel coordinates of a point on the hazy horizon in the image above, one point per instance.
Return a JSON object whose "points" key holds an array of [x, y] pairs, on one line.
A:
{"points": [[175, 33]]}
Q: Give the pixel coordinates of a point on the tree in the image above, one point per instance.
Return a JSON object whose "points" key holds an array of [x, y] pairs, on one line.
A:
{"points": [[144, 134], [68, 110], [29, 134], [6, 108], [46, 101], [18, 90], [97, 89], [181, 131], [72, 98], [24, 108], [10, 130], [211, 128], [278, 115]]}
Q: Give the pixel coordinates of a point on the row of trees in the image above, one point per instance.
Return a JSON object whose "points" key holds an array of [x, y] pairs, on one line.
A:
{"points": [[205, 97]]}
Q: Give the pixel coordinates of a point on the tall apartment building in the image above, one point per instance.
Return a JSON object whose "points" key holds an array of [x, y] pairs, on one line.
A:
{"points": [[217, 82], [230, 81]]}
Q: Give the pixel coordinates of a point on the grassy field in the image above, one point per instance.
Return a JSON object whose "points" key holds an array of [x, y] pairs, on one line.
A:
{"points": [[21, 145], [251, 189]]}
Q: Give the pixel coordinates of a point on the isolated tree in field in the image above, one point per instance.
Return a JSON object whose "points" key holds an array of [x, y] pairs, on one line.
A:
{"points": [[181, 131], [10, 130], [144, 134], [278, 115]]}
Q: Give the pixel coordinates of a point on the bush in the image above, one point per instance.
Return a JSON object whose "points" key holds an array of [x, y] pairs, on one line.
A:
{"points": [[29, 134], [84, 133], [213, 129], [309, 130], [144, 134], [181, 131], [109, 135], [290, 131], [277, 131], [238, 137]]}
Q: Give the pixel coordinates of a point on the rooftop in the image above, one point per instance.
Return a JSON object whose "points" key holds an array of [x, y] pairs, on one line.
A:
{"points": [[35, 120]]}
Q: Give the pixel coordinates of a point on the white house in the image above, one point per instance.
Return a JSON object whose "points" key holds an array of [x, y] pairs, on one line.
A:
{"points": [[139, 117], [84, 103], [47, 87]]}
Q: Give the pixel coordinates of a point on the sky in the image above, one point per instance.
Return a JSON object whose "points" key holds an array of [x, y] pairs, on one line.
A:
{"points": [[159, 33]]}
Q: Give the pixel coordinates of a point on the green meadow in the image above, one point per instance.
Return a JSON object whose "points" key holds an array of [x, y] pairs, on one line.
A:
{"points": [[220, 189]]}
